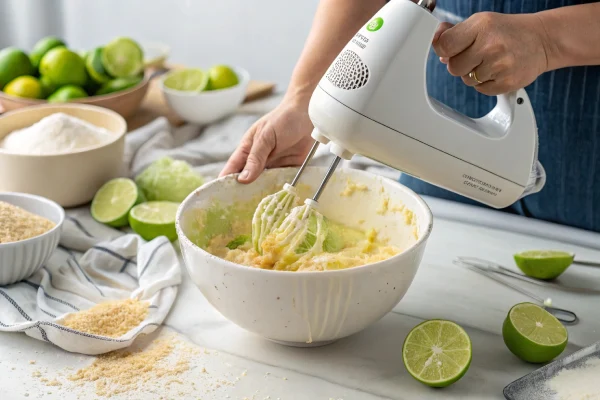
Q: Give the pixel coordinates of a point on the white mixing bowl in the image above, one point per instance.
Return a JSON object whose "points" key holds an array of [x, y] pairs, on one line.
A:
{"points": [[310, 308]]}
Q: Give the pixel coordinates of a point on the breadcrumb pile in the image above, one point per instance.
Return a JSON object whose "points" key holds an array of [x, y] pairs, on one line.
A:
{"points": [[16, 224], [112, 319], [124, 371]]}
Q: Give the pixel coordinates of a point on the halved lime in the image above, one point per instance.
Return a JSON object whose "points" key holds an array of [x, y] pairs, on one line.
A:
{"points": [[94, 67], [437, 352], [153, 219], [533, 334], [113, 200], [543, 264], [187, 80], [123, 58]]}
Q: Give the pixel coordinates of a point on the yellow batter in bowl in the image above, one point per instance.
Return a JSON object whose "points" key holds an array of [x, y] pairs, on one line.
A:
{"points": [[226, 233]]}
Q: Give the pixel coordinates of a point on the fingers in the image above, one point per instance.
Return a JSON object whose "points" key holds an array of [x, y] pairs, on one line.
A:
{"points": [[262, 146], [465, 62], [444, 26], [492, 88], [238, 159], [482, 72], [453, 40], [286, 161]]}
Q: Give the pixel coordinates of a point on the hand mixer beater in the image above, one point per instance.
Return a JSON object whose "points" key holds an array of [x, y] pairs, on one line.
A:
{"points": [[273, 209]]}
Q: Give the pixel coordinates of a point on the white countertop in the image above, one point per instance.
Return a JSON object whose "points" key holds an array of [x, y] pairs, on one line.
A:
{"points": [[367, 365]]}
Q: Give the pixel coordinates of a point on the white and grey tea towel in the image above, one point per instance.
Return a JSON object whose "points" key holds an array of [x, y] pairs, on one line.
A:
{"points": [[92, 264]]}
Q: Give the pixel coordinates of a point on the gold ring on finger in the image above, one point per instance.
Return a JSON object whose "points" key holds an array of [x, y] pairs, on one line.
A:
{"points": [[473, 76]]}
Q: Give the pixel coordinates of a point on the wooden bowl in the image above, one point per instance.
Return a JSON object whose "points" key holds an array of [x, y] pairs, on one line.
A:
{"points": [[125, 102]]}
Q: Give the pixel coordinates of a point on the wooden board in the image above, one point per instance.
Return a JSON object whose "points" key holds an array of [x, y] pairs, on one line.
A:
{"points": [[155, 106]]}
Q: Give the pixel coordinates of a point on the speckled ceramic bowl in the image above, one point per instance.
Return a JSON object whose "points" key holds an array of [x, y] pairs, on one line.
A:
{"points": [[20, 260], [311, 308]]}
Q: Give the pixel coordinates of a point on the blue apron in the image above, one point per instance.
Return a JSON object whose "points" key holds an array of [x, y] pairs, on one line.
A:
{"points": [[567, 107]]}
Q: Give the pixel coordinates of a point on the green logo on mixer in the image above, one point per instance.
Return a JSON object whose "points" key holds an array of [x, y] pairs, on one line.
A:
{"points": [[375, 24]]}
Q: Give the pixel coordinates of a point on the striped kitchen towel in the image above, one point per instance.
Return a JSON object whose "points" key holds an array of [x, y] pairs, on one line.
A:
{"points": [[92, 264]]}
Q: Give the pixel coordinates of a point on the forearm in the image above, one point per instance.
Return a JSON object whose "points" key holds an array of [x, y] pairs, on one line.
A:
{"points": [[573, 34], [335, 22]]}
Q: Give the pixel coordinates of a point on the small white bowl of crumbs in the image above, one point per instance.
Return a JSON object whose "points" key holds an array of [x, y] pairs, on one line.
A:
{"points": [[30, 228]]}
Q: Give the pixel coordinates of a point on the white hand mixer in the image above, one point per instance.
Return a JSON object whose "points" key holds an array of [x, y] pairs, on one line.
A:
{"points": [[373, 101]]}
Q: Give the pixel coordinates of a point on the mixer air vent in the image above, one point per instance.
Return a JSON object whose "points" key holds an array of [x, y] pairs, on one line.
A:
{"points": [[348, 72]]}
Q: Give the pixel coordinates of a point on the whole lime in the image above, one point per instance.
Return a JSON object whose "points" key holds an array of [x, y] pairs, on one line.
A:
{"points": [[63, 67], [42, 47], [24, 86], [221, 77], [13, 63], [67, 93], [48, 87]]}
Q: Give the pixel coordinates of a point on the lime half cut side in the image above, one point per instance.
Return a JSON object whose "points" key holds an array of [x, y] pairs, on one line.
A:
{"points": [[187, 80], [543, 264], [533, 334], [437, 353], [153, 219], [123, 58], [114, 200]]}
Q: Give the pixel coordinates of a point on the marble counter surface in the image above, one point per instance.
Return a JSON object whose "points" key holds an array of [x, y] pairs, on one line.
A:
{"points": [[365, 366]]}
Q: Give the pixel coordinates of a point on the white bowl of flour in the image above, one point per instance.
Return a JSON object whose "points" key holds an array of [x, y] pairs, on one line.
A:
{"points": [[61, 152]]}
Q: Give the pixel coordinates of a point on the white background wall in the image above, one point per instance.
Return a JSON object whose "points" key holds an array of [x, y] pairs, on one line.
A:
{"points": [[263, 36]]}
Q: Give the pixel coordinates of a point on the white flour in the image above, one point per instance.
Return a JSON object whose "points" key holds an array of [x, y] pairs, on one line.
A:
{"points": [[55, 134], [581, 383]]}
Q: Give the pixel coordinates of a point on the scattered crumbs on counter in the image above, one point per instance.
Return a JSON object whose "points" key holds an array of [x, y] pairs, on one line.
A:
{"points": [[32, 362], [13, 368], [285, 379], [162, 368], [362, 221], [26, 394]]}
